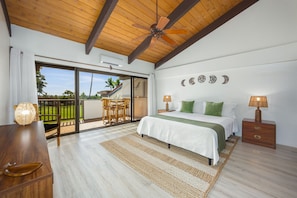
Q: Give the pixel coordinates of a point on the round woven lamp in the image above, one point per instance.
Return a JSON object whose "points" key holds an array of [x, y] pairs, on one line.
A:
{"points": [[24, 113]]}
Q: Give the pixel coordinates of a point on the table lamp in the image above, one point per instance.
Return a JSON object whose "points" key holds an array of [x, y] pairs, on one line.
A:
{"points": [[24, 113], [167, 99], [258, 101]]}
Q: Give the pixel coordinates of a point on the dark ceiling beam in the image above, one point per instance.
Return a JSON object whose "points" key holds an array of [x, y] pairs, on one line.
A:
{"points": [[144, 45], [4, 8], [100, 23], [180, 11], [174, 16], [208, 29]]}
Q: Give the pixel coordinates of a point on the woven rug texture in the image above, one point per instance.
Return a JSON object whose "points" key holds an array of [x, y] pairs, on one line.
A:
{"points": [[179, 172]]}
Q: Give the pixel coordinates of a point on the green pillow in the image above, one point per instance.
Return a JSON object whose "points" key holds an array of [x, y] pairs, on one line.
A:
{"points": [[187, 106], [214, 109]]}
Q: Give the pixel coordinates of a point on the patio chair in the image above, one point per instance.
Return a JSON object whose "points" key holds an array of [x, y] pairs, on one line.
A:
{"points": [[105, 111], [52, 129]]}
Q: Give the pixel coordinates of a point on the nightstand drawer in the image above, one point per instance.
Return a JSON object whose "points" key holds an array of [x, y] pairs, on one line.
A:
{"points": [[259, 136], [260, 133], [258, 128]]}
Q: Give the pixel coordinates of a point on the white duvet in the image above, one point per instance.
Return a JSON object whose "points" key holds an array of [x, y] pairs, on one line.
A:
{"points": [[197, 139]]}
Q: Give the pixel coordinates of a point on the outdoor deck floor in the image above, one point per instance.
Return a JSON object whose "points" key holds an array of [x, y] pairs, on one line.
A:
{"points": [[70, 127]]}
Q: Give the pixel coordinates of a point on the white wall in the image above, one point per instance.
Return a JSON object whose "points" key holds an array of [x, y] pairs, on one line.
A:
{"points": [[257, 50], [4, 67], [48, 48]]}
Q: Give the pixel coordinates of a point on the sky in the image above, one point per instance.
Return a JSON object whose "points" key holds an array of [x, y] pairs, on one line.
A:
{"points": [[59, 80]]}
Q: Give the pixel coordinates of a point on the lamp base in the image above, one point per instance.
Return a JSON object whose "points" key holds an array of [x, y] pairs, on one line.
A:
{"points": [[258, 117], [167, 106]]}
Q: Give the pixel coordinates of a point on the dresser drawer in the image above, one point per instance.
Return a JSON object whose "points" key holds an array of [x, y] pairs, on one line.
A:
{"points": [[258, 128], [259, 133]]}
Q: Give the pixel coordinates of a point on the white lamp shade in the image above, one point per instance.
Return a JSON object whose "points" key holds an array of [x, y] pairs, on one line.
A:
{"points": [[24, 113]]}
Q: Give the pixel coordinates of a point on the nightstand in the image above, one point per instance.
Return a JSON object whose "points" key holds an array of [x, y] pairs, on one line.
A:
{"points": [[164, 110], [260, 133]]}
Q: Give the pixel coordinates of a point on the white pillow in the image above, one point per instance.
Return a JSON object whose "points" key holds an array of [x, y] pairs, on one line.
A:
{"points": [[198, 107], [229, 110], [179, 106]]}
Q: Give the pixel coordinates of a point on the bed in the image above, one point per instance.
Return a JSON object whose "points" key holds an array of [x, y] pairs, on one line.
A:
{"points": [[183, 133]]}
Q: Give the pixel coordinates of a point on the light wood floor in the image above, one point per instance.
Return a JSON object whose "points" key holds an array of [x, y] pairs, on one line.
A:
{"points": [[82, 168]]}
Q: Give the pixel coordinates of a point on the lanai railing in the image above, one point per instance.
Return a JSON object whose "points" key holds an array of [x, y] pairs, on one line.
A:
{"points": [[64, 107]]}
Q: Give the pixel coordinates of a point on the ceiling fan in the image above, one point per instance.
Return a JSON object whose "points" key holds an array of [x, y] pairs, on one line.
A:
{"points": [[160, 29]]}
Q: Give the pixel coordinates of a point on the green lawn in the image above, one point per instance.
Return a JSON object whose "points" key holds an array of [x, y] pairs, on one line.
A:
{"points": [[66, 112]]}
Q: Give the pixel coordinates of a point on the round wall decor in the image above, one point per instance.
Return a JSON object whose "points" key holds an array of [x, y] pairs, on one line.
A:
{"points": [[212, 79], [183, 82], [192, 81], [226, 79], [201, 78]]}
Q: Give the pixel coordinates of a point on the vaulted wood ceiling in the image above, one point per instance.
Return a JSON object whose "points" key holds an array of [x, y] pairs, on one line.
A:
{"points": [[83, 21]]}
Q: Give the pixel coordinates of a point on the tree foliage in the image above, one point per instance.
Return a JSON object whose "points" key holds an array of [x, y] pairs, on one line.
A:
{"points": [[41, 83], [112, 84], [68, 94], [109, 83]]}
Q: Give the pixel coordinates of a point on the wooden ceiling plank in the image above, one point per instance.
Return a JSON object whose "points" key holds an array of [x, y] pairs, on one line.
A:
{"points": [[49, 16], [48, 25], [119, 32], [102, 19], [220, 21], [141, 15], [57, 10], [56, 32]]}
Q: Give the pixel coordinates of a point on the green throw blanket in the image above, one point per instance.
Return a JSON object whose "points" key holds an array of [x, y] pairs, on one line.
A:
{"points": [[216, 127]]}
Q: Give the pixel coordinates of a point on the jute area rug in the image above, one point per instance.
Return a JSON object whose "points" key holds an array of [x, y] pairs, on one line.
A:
{"points": [[179, 172]]}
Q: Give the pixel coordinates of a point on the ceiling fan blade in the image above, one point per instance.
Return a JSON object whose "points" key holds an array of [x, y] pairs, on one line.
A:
{"points": [[168, 40], [143, 46], [175, 31], [141, 27], [163, 21], [153, 42]]}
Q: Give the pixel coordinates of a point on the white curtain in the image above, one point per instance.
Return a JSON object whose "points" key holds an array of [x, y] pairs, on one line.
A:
{"points": [[152, 105], [22, 79]]}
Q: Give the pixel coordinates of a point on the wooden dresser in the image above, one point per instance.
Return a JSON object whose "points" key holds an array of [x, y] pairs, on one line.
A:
{"points": [[25, 144], [260, 133]]}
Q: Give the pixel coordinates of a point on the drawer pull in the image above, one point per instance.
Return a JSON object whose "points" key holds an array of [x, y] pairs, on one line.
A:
{"points": [[257, 128], [258, 137]]}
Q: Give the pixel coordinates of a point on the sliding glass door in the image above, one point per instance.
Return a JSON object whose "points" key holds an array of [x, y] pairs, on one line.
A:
{"points": [[56, 93], [93, 88], [78, 94]]}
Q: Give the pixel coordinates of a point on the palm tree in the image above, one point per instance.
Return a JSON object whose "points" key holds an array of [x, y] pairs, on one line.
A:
{"points": [[117, 82], [109, 83], [41, 83], [91, 85]]}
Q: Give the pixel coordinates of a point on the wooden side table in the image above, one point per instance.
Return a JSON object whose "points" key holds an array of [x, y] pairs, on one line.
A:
{"points": [[25, 144], [260, 133]]}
